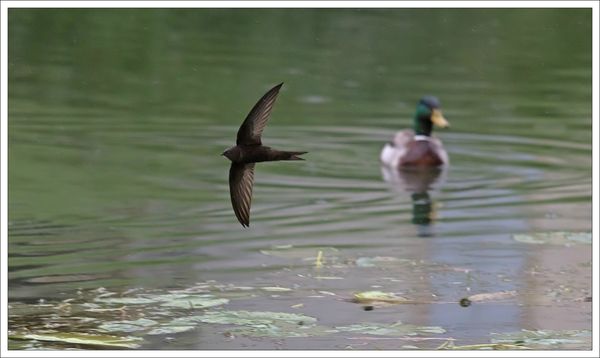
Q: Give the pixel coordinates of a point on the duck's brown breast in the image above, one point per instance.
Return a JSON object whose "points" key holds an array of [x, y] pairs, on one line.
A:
{"points": [[421, 154]]}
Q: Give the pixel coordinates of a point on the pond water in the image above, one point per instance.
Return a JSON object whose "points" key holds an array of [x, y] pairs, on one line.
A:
{"points": [[119, 205]]}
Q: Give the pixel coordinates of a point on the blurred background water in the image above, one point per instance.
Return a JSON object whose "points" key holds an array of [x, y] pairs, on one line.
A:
{"points": [[117, 119]]}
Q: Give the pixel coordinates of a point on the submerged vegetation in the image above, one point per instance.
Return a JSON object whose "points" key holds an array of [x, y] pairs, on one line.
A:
{"points": [[103, 318]]}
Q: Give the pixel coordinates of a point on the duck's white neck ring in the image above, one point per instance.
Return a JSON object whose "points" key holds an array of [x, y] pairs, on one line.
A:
{"points": [[420, 137]]}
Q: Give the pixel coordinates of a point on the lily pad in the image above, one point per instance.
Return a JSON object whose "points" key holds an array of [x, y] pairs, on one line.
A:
{"points": [[449, 345], [191, 301], [556, 339], [125, 300], [555, 238], [169, 329], [395, 329], [284, 330], [256, 317], [259, 324], [83, 339], [128, 326]]}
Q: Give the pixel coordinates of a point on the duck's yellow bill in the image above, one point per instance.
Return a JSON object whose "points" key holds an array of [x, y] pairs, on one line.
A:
{"points": [[438, 119]]}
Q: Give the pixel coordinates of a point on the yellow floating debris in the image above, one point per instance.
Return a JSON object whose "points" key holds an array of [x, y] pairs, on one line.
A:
{"points": [[319, 261], [482, 297], [378, 297]]}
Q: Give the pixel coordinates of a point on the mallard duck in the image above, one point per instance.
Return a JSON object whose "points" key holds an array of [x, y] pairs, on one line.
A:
{"points": [[417, 148]]}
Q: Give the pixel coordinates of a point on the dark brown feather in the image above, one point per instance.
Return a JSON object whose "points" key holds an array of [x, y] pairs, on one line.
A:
{"points": [[251, 130], [241, 179]]}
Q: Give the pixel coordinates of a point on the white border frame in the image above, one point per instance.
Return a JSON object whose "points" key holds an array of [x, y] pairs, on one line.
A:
{"points": [[5, 5]]}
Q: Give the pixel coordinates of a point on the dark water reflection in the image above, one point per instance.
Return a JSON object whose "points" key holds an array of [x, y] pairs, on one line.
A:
{"points": [[118, 117], [418, 182]]}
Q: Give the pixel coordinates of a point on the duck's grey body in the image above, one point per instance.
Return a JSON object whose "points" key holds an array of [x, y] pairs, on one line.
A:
{"points": [[408, 150]]}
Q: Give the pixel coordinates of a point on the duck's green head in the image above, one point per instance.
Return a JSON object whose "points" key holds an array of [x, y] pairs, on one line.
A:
{"points": [[429, 113]]}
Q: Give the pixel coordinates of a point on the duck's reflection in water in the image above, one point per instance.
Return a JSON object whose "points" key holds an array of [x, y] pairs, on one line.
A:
{"points": [[419, 182]]}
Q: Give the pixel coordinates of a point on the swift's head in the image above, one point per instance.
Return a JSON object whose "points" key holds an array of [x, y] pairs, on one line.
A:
{"points": [[232, 154]]}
